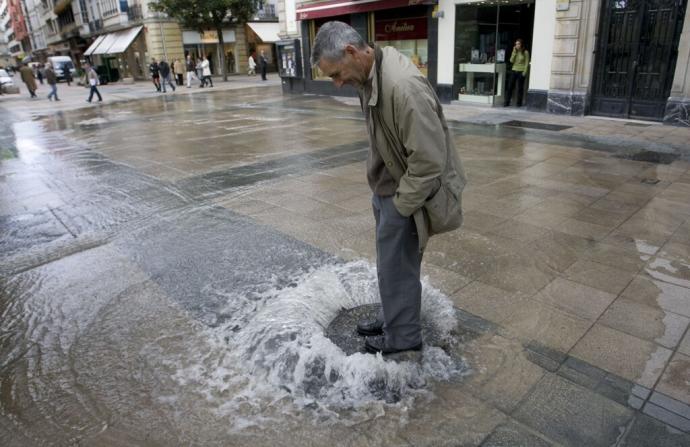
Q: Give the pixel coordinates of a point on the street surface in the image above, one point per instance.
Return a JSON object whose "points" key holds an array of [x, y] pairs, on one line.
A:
{"points": [[169, 265]]}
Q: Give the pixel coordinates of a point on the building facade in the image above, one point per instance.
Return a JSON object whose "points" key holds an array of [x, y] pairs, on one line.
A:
{"points": [[17, 34], [5, 59], [616, 58]]}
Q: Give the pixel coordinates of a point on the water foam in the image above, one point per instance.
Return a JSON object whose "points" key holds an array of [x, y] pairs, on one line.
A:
{"points": [[280, 362]]}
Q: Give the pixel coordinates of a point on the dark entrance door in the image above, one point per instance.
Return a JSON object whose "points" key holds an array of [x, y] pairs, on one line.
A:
{"points": [[636, 57]]}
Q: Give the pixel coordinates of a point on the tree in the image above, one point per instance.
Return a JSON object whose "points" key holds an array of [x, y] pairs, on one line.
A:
{"points": [[205, 14]]}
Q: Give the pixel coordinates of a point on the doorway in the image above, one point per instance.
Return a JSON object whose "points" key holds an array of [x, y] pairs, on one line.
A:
{"points": [[485, 34], [636, 57]]}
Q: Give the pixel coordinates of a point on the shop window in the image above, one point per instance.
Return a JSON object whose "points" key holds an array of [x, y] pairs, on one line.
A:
{"points": [[485, 34], [314, 26], [406, 30]]}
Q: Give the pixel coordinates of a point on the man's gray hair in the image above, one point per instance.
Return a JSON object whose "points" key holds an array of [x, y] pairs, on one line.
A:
{"points": [[331, 40]]}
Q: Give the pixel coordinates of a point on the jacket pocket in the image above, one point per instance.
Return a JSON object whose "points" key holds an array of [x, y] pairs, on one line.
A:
{"points": [[444, 210]]}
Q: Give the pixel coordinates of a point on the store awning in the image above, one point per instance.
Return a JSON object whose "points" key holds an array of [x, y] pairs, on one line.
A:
{"points": [[267, 31], [94, 45], [124, 40], [113, 43], [339, 7]]}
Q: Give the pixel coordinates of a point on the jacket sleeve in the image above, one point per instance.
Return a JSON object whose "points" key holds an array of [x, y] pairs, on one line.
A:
{"points": [[524, 72], [421, 132]]}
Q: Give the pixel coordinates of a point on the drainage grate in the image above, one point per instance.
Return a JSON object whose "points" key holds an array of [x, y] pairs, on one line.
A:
{"points": [[638, 125], [650, 156], [533, 125]]}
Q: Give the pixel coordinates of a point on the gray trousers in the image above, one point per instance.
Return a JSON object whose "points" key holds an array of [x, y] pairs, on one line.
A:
{"points": [[398, 262]]}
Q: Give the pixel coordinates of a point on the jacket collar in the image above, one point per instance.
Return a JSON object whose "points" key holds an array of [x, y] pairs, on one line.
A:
{"points": [[375, 76], [374, 93]]}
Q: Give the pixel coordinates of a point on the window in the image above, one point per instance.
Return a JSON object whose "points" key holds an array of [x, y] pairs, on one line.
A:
{"points": [[406, 30]]}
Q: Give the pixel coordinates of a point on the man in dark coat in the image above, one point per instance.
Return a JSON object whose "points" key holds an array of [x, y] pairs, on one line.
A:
{"points": [[263, 65], [154, 71], [165, 75]]}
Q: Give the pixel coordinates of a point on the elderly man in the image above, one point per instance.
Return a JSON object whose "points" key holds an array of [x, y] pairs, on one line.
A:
{"points": [[413, 170], [27, 75]]}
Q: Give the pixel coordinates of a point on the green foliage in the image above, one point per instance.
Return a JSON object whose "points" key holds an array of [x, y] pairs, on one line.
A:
{"points": [[208, 14], [205, 14]]}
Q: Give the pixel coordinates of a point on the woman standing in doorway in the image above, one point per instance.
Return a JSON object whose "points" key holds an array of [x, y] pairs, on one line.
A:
{"points": [[519, 59]]}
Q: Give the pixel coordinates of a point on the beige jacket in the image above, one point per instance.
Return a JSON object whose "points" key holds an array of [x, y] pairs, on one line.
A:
{"points": [[178, 67], [411, 134], [28, 77]]}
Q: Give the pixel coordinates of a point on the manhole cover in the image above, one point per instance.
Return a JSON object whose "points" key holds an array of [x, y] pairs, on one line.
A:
{"points": [[650, 181], [343, 332]]}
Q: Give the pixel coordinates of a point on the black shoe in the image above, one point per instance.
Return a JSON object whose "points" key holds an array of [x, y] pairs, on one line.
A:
{"points": [[370, 327], [378, 344]]}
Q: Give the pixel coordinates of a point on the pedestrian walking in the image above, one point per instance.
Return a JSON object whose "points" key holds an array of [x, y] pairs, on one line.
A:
{"points": [[51, 79], [519, 59], [178, 68], [206, 70], [92, 77], [39, 73], [154, 71], [231, 62], [413, 170], [252, 65], [191, 68], [29, 80], [263, 65], [67, 74], [165, 75], [200, 73]]}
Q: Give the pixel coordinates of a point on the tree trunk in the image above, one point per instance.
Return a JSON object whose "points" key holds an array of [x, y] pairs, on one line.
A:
{"points": [[221, 42]]}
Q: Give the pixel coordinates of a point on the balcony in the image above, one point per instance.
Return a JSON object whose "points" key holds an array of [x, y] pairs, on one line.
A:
{"points": [[95, 26], [134, 13], [267, 12]]}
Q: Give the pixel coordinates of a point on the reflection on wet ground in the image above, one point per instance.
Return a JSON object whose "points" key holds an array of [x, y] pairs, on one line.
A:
{"points": [[169, 268]]}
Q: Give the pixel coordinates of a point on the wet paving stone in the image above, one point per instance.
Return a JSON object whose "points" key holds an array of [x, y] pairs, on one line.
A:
{"points": [[190, 262], [512, 435], [28, 231], [573, 415], [646, 431]]}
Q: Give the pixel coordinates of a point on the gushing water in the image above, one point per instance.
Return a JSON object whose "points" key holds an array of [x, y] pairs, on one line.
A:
{"points": [[280, 362]]}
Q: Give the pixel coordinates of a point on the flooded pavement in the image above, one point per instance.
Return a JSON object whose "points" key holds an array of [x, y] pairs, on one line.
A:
{"points": [[169, 269]]}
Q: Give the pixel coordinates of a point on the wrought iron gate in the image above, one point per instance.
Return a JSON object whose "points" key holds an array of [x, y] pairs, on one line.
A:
{"points": [[636, 57]]}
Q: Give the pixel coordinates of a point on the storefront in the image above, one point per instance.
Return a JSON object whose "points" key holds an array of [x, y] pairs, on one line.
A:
{"points": [[120, 54], [207, 43], [485, 37], [406, 25], [262, 36]]}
